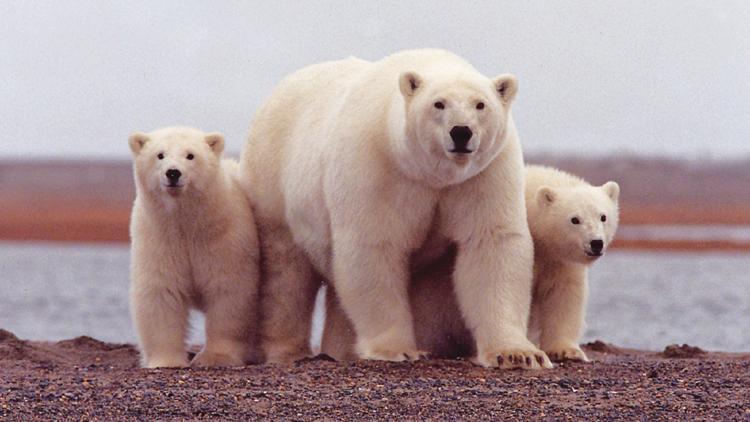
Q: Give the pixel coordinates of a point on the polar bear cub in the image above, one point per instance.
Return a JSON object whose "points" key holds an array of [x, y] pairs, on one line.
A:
{"points": [[358, 170], [194, 245], [571, 222]]}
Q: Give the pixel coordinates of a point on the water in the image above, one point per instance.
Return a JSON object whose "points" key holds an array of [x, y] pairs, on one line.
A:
{"points": [[638, 299], [650, 299]]}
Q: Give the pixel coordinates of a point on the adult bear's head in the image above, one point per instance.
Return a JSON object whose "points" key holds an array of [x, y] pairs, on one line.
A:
{"points": [[455, 121]]}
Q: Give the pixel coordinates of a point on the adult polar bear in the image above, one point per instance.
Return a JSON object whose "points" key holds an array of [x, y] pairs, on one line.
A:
{"points": [[360, 170]]}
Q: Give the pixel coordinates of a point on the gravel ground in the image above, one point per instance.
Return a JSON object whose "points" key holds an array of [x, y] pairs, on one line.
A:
{"points": [[84, 378]]}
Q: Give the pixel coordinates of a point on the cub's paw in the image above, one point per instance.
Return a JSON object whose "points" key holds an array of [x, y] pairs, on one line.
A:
{"points": [[207, 359], [524, 358], [562, 353], [177, 361]]}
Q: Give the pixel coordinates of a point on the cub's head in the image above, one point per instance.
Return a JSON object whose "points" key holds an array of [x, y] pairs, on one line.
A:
{"points": [[578, 223], [176, 160], [455, 122]]}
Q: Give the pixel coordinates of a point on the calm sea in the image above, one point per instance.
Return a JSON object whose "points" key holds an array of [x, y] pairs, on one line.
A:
{"points": [[638, 299]]}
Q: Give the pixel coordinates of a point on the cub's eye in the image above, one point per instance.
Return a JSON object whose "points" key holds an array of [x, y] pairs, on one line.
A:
{"points": [[480, 106], [160, 156], [604, 218], [439, 105], [575, 220], [190, 156]]}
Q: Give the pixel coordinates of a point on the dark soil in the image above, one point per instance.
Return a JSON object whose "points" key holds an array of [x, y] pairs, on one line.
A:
{"points": [[684, 351], [84, 378]]}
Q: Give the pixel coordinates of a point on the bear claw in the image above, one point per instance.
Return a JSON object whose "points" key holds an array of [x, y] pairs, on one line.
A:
{"points": [[568, 353], [531, 359]]}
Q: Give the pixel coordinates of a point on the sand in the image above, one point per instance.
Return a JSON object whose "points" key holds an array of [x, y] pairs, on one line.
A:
{"points": [[84, 378]]}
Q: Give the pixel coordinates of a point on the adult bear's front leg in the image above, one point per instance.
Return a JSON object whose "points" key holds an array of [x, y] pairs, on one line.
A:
{"points": [[371, 280], [492, 279], [486, 218]]}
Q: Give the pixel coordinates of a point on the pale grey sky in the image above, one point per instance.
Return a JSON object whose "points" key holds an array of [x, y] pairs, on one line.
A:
{"points": [[648, 77]]}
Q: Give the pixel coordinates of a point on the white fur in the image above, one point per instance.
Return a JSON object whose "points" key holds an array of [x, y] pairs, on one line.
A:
{"points": [[350, 168], [563, 253], [193, 246], [559, 300]]}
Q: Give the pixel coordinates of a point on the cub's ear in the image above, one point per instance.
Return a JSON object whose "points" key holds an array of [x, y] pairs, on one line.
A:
{"points": [[215, 141], [136, 141], [506, 86], [409, 83], [545, 195], [612, 189]]}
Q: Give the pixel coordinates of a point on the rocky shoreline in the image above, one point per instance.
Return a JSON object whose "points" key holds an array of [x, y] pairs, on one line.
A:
{"points": [[84, 378]]}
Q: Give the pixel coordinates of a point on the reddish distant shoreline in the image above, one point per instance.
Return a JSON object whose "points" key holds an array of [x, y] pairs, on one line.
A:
{"points": [[80, 201]]}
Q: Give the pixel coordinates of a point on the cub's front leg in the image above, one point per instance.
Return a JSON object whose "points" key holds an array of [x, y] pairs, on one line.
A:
{"points": [[559, 307], [160, 314]]}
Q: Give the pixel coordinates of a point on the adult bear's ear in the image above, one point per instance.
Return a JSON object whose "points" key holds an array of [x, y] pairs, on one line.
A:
{"points": [[409, 83], [612, 189], [506, 87], [136, 141], [545, 195], [215, 141]]}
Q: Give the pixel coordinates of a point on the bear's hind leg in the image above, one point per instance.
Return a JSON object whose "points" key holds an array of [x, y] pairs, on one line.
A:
{"points": [[338, 334], [288, 293], [230, 333]]}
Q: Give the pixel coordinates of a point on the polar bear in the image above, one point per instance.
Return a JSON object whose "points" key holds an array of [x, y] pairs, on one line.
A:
{"points": [[194, 245], [358, 171], [571, 222]]}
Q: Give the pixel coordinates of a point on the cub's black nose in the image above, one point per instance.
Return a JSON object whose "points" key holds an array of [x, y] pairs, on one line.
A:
{"points": [[460, 136], [173, 175], [596, 246]]}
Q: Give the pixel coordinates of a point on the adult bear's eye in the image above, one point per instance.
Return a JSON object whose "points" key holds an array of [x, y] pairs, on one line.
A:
{"points": [[575, 220], [160, 156], [190, 156], [439, 105], [480, 106], [604, 218]]}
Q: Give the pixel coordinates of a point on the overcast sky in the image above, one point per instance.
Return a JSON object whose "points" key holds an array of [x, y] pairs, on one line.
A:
{"points": [[649, 77]]}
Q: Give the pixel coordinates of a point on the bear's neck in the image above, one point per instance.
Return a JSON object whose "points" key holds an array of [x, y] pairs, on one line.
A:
{"points": [[549, 275]]}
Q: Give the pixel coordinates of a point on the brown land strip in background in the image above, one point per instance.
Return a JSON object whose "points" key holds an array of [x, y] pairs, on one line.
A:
{"points": [[682, 245], [66, 223], [90, 201]]}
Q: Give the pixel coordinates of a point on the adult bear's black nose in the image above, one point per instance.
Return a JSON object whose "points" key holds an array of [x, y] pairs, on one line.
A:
{"points": [[460, 136], [596, 246], [173, 175]]}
